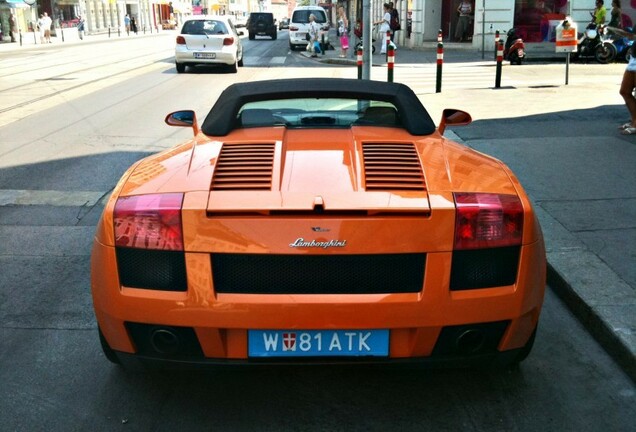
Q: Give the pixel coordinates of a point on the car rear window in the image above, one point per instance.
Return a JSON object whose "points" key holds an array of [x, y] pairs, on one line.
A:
{"points": [[318, 112], [302, 16], [267, 17], [204, 27]]}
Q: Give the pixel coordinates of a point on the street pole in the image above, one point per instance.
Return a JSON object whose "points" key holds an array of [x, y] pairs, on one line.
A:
{"points": [[483, 30], [367, 28]]}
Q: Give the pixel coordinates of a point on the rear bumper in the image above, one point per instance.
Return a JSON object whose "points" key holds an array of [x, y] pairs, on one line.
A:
{"points": [[491, 360], [185, 56], [220, 322]]}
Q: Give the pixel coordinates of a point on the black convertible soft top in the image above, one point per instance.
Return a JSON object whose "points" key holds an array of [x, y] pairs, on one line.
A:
{"points": [[222, 117]]}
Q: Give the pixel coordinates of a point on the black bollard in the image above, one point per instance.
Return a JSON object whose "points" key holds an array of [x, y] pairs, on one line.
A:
{"points": [[440, 62], [499, 62]]}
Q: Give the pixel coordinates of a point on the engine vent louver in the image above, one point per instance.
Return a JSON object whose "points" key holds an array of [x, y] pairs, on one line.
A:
{"points": [[244, 167], [394, 166]]}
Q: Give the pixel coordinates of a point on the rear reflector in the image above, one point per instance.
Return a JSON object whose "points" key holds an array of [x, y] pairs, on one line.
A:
{"points": [[485, 220], [228, 41], [149, 221], [181, 40]]}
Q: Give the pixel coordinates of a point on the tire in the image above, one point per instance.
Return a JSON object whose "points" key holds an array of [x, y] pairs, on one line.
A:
{"points": [[251, 36], [274, 36], [180, 67], [234, 67], [525, 351], [240, 62], [605, 53], [108, 351]]}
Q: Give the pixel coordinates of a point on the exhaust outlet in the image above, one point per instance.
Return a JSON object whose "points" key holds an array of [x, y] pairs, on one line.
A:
{"points": [[470, 341], [164, 341]]}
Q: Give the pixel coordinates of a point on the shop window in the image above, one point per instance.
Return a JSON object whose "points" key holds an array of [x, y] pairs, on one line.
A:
{"points": [[536, 20]]}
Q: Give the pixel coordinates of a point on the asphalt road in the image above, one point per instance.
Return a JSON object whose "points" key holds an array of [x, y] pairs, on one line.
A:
{"points": [[63, 145]]}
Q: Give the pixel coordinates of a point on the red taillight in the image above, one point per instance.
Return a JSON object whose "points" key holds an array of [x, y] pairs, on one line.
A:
{"points": [[149, 221], [293, 28], [487, 220], [180, 40], [228, 41]]}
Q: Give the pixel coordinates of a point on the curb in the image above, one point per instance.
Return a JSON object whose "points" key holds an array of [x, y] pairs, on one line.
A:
{"points": [[593, 321], [592, 291]]}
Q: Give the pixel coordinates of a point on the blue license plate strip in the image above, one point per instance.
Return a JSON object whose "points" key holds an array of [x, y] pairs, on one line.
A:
{"points": [[318, 343]]}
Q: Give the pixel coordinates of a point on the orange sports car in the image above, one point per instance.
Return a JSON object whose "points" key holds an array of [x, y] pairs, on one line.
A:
{"points": [[313, 221]]}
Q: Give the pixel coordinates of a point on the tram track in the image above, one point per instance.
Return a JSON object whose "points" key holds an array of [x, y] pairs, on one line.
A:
{"points": [[60, 77]]}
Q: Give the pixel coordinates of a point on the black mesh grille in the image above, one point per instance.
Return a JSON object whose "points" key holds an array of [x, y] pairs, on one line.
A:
{"points": [[484, 268], [152, 269], [318, 274]]}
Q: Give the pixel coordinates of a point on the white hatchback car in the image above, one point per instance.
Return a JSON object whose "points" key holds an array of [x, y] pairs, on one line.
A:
{"points": [[206, 40], [299, 24]]}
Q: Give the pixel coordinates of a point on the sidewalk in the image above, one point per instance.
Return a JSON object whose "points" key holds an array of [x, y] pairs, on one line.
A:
{"points": [[69, 36]]}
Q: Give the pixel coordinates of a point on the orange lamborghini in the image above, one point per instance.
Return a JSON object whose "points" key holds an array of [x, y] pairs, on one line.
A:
{"points": [[312, 221]]}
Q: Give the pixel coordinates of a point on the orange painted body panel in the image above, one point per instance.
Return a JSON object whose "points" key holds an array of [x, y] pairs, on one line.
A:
{"points": [[322, 165]]}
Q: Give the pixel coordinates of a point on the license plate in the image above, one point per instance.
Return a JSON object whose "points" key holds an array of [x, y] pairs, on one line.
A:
{"points": [[204, 55], [318, 343]]}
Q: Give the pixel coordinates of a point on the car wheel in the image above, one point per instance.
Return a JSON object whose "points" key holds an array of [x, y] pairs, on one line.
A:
{"points": [[180, 67], [274, 36], [292, 47], [234, 67], [525, 351], [108, 351], [240, 62], [251, 36]]}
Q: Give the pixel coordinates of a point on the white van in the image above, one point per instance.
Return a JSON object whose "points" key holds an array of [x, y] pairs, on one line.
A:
{"points": [[299, 24]]}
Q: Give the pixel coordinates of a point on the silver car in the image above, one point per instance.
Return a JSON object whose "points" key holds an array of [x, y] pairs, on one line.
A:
{"points": [[299, 25], [206, 40]]}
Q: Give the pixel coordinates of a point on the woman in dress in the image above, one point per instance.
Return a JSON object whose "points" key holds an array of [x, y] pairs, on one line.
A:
{"points": [[343, 26]]}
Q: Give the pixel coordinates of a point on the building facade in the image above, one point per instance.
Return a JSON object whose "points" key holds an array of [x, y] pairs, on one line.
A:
{"points": [[421, 20]]}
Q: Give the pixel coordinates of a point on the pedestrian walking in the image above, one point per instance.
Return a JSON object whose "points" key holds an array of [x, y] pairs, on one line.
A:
{"points": [[13, 26], [133, 25], [616, 15], [40, 26], [80, 27], [343, 29], [385, 26], [465, 12], [127, 24], [395, 21], [314, 36], [628, 84], [46, 23]]}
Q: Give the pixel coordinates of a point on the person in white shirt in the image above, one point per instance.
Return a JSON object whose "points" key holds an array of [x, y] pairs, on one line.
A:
{"points": [[46, 24], [385, 26]]}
